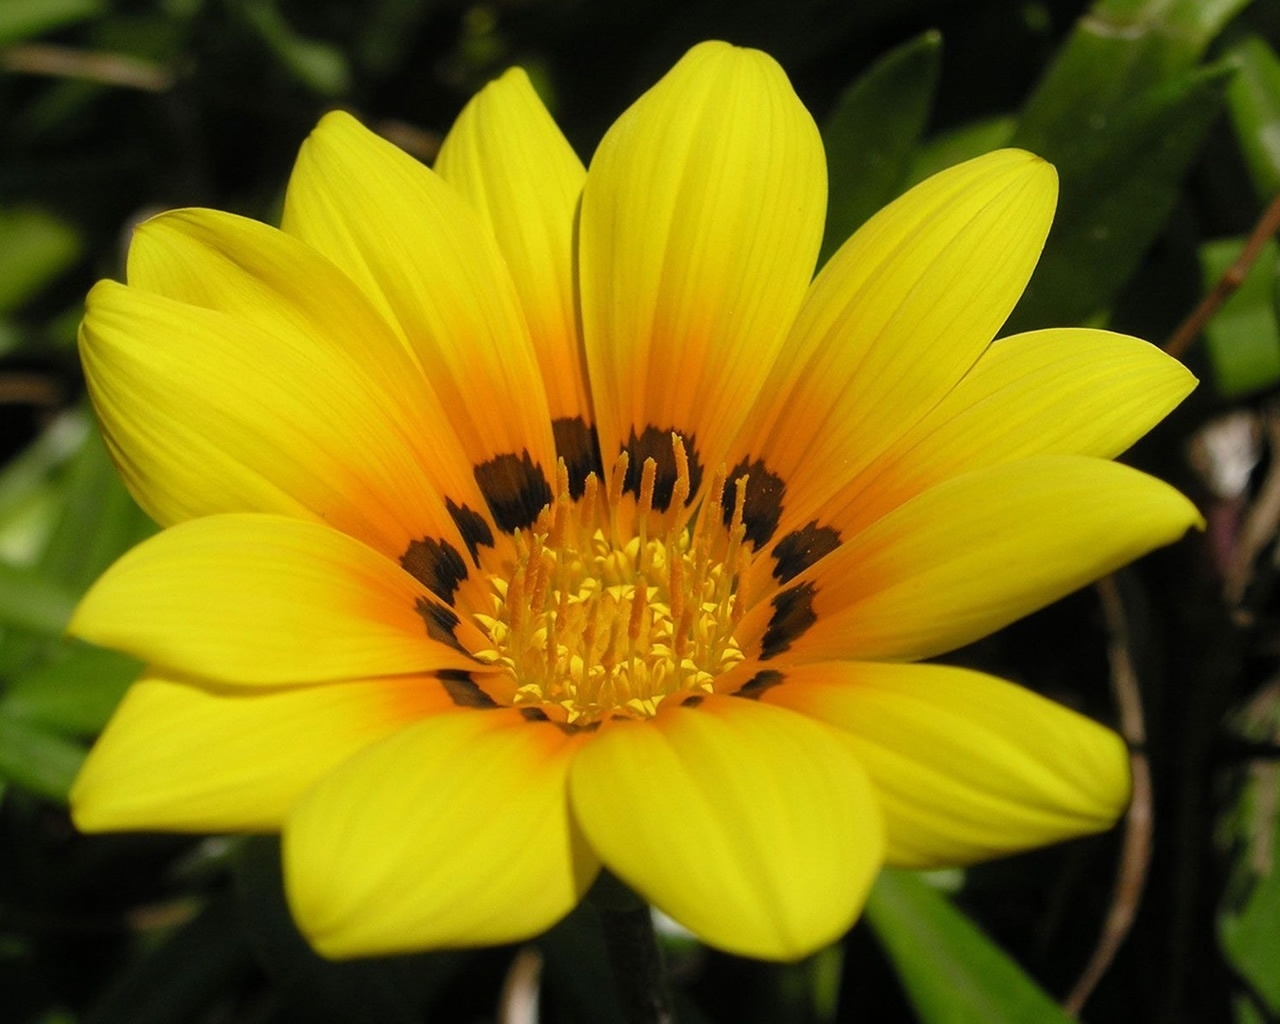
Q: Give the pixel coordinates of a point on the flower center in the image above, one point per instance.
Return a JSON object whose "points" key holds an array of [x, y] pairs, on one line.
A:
{"points": [[598, 620]]}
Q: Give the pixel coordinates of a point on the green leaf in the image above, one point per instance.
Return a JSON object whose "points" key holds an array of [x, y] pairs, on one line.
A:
{"points": [[1121, 49], [74, 692], [1243, 338], [98, 520], [25, 19], [35, 247], [35, 600], [38, 760], [1248, 922], [32, 601], [27, 479], [320, 67], [951, 972], [1250, 936], [1121, 112], [1253, 100], [870, 135], [1119, 181], [1245, 1013]]}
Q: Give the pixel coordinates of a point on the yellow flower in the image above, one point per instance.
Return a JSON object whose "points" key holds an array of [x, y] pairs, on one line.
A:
{"points": [[405, 613]]}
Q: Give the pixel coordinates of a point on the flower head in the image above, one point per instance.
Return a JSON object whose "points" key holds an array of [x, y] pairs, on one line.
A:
{"points": [[522, 520]]}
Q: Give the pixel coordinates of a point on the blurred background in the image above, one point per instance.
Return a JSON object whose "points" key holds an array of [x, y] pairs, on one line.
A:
{"points": [[1163, 118]]}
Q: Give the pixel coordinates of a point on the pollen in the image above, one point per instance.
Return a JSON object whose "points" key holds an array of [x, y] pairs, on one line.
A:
{"points": [[610, 607]]}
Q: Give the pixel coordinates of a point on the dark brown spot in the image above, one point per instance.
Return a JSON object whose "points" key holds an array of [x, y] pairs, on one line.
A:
{"points": [[793, 614], [577, 444], [655, 444], [758, 683], [802, 548], [463, 690], [440, 622], [692, 702], [437, 565], [515, 488], [471, 524], [533, 715], [763, 506]]}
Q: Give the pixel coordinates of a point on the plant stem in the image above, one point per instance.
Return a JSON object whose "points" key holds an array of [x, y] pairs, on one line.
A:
{"points": [[1190, 329], [635, 958]]}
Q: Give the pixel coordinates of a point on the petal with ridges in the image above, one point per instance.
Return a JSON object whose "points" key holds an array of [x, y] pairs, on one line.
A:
{"points": [[965, 766], [1056, 392], [896, 317], [205, 412], [967, 557], [749, 825], [506, 155], [425, 260], [277, 283], [262, 600], [184, 757], [1071, 391], [455, 832], [701, 220]]}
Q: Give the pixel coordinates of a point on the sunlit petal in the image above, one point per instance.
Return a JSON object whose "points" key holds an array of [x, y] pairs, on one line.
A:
{"points": [[426, 262], [1056, 392], [506, 155], [967, 557], [895, 319], [265, 600], [753, 827], [207, 412], [701, 221], [454, 832], [177, 756], [965, 766]]}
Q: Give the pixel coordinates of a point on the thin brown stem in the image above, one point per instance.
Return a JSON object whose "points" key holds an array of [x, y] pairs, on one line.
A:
{"points": [[1184, 337], [104, 68], [38, 389], [1135, 855]]}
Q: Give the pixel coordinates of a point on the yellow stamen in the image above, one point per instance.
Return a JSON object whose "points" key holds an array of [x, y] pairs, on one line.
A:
{"points": [[593, 625]]}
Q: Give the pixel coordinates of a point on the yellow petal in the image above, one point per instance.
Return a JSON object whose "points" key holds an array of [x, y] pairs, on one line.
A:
{"points": [[506, 155], [1054, 392], [176, 756], [967, 557], [964, 765], [1057, 392], [423, 257], [896, 317], [266, 600], [205, 412], [751, 826], [701, 220], [455, 832], [273, 281]]}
